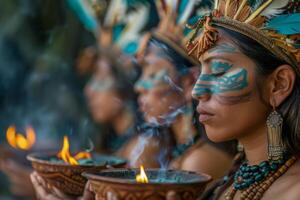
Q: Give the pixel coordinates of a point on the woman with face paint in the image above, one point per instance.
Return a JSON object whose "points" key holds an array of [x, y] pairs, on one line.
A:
{"points": [[112, 101], [164, 90], [248, 89]]}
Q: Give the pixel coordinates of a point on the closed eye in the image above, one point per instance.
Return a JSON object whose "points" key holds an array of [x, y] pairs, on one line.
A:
{"points": [[218, 74]]}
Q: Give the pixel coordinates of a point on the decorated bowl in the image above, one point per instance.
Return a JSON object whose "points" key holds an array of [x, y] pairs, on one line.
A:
{"points": [[66, 177], [121, 184]]}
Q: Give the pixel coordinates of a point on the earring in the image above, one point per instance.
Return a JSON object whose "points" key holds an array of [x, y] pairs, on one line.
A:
{"points": [[240, 147], [275, 145]]}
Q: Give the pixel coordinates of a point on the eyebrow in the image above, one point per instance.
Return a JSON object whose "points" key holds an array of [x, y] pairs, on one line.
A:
{"points": [[224, 48], [216, 57]]}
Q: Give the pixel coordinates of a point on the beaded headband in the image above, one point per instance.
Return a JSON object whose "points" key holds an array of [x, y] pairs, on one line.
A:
{"points": [[275, 24]]}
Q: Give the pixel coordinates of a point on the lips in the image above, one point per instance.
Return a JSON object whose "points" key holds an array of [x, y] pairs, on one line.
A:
{"points": [[205, 115]]}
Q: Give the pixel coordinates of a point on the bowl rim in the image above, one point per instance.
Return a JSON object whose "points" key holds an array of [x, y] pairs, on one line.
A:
{"points": [[32, 157], [93, 177]]}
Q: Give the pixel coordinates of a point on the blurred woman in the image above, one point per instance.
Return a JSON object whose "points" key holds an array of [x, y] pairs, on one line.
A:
{"points": [[112, 103], [165, 93]]}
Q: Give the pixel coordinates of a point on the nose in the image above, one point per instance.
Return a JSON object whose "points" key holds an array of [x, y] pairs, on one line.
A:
{"points": [[88, 91], [139, 87], [201, 91]]}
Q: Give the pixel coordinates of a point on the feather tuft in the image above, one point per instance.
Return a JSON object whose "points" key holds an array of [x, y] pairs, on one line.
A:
{"points": [[285, 24], [268, 9], [232, 8], [275, 8]]}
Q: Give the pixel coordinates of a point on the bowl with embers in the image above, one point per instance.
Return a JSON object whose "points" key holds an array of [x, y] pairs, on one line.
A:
{"points": [[63, 171], [150, 184]]}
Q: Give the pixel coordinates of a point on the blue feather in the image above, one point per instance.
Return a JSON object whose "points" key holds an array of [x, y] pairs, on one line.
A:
{"points": [[117, 31], [182, 6], [285, 24], [131, 48], [83, 14]]}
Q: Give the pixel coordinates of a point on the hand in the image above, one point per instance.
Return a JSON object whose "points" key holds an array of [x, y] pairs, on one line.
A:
{"points": [[171, 195], [19, 177], [88, 194], [45, 191]]}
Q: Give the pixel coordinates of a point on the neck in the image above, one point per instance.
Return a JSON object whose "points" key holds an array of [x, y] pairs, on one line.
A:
{"points": [[256, 146], [122, 121], [183, 129]]}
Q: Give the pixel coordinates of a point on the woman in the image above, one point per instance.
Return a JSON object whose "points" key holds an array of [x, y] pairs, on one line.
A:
{"points": [[248, 90], [164, 97], [164, 93], [112, 104]]}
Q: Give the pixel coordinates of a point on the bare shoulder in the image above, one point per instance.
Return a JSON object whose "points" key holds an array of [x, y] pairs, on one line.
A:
{"points": [[292, 181], [287, 186], [207, 159]]}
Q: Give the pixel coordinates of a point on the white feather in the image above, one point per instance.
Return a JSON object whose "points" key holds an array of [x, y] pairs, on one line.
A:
{"points": [[275, 8], [187, 12], [135, 23], [115, 11], [203, 11], [172, 4]]}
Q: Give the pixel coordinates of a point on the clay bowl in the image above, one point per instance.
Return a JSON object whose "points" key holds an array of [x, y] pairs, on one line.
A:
{"points": [[68, 178], [120, 184]]}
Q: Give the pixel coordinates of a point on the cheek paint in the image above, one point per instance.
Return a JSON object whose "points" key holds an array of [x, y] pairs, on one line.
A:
{"points": [[210, 84], [144, 84], [101, 85], [150, 83], [219, 67]]}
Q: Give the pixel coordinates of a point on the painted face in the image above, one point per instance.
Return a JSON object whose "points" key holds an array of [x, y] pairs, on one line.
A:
{"points": [[230, 104], [103, 100], [158, 89]]}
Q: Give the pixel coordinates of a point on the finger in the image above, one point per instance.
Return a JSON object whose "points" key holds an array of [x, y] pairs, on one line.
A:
{"points": [[59, 193], [88, 194]]}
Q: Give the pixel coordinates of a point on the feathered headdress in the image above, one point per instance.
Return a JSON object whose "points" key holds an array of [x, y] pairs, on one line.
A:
{"points": [[275, 24], [171, 30], [115, 23]]}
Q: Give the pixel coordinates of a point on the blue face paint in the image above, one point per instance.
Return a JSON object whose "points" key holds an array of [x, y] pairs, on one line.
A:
{"points": [[216, 85], [149, 83], [219, 67], [101, 85]]}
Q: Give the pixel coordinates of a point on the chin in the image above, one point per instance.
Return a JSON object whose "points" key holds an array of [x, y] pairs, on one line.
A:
{"points": [[216, 135], [99, 118]]}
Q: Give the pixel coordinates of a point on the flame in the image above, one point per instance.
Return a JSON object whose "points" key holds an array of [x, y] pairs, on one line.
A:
{"points": [[19, 141], [142, 177], [66, 156]]}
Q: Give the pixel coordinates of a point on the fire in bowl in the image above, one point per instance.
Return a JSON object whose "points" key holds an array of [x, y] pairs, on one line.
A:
{"points": [[128, 184], [67, 177], [63, 170]]}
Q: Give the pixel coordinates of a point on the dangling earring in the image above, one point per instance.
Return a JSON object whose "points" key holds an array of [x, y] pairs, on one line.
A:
{"points": [[275, 145], [240, 147]]}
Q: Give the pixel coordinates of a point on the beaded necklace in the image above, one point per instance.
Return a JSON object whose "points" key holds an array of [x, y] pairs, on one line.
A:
{"points": [[261, 184]]}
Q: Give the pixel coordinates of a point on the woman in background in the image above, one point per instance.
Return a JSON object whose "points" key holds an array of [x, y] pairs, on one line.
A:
{"points": [[165, 94]]}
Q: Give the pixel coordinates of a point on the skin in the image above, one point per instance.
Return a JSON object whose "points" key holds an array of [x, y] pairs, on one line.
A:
{"points": [[103, 100], [154, 86], [247, 106]]}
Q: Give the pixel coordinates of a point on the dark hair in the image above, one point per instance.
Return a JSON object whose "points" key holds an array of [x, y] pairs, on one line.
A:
{"points": [[125, 79], [181, 64], [266, 64]]}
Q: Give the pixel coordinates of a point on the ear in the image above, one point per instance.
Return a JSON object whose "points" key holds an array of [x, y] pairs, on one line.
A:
{"points": [[188, 81], [281, 84]]}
